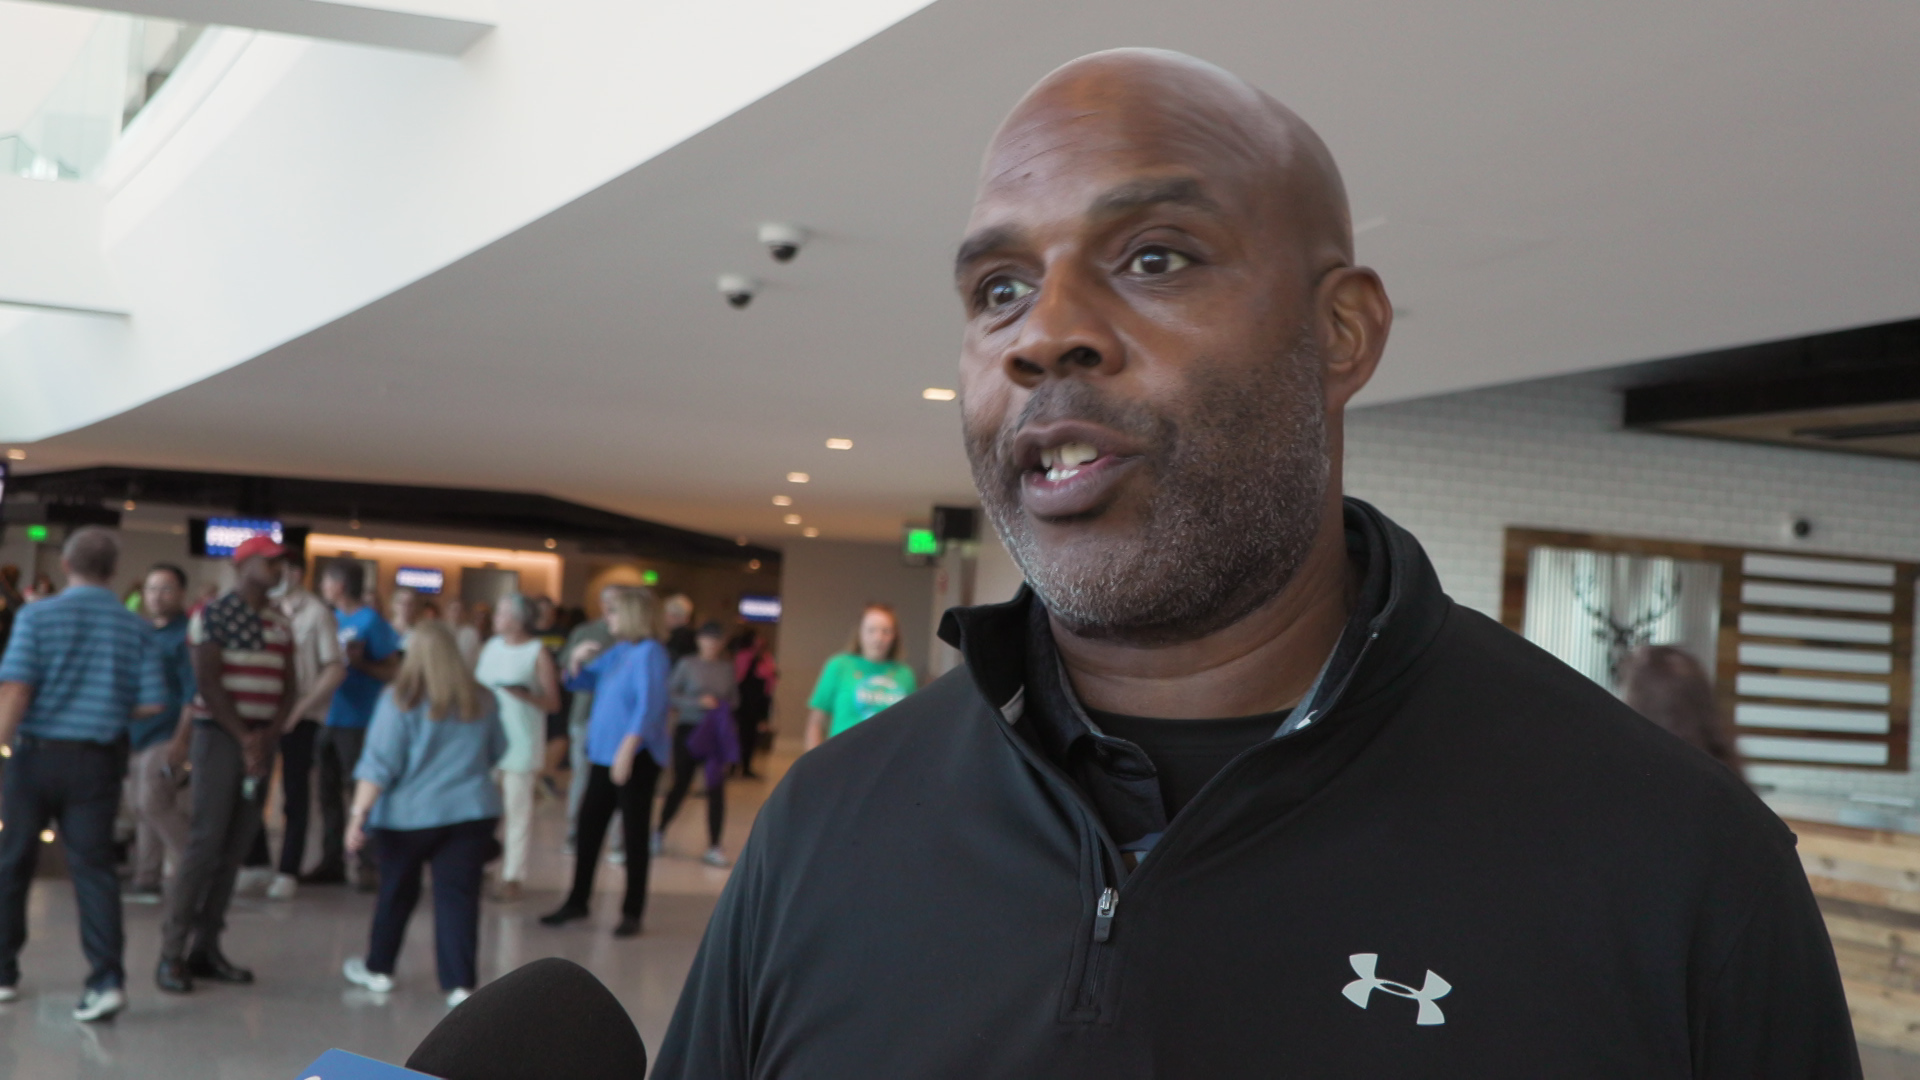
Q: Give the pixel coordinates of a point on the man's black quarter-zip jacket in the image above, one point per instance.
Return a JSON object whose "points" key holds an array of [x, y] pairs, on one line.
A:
{"points": [[1474, 863]]}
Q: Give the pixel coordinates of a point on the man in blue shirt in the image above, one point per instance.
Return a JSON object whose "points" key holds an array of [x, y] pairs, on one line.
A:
{"points": [[77, 669], [158, 792], [372, 651]]}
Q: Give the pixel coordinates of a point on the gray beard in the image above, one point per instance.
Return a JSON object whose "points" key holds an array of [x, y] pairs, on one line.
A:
{"points": [[1234, 508]]}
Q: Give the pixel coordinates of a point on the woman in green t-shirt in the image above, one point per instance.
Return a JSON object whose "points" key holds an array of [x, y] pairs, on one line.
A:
{"points": [[860, 682]]}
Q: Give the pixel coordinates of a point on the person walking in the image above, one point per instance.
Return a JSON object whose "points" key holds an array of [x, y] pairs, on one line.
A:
{"points": [[700, 687], [465, 633], [405, 611], [756, 674], [371, 650], [679, 627], [320, 667], [627, 746], [243, 668], [858, 683], [526, 687], [156, 791], [77, 668], [424, 795], [579, 712]]}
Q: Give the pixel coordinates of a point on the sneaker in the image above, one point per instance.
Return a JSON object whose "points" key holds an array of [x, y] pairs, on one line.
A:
{"points": [[100, 1003], [355, 969], [715, 857], [284, 887], [9, 994], [253, 879], [617, 858], [140, 894], [657, 844], [629, 928], [457, 995]]}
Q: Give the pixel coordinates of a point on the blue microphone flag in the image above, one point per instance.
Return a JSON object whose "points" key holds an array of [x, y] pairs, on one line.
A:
{"points": [[340, 1065]]}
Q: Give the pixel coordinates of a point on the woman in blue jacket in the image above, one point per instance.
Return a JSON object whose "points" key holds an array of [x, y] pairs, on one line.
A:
{"points": [[627, 745], [424, 793]]}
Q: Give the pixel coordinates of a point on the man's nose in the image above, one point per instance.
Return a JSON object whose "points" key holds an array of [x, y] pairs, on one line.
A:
{"points": [[1065, 334]]}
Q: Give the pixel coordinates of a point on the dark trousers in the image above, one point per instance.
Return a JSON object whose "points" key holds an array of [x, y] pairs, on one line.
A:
{"points": [[75, 786], [339, 751], [684, 766], [296, 796], [458, 854], [634, 800], [747, 722], [225, 821]]}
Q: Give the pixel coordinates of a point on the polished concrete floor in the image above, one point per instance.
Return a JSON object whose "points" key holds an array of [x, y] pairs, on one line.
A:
{"points": [[301, 1006]]}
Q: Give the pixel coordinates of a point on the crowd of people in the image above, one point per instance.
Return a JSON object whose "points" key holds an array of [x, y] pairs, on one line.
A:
{"points": [[432, 733]]}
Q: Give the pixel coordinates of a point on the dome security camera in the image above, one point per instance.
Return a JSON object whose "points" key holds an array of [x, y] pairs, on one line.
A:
{"points": [[738, 289], [1798, 527], [783, 242]]}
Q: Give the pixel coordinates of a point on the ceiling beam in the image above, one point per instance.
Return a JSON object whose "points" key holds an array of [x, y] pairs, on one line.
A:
{"points": [[446, 27]]}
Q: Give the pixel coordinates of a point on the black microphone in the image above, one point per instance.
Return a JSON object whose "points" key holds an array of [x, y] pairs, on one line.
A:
{"points": [[550, 1018]]}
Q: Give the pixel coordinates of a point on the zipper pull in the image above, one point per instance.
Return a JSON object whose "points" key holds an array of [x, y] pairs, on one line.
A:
{"points": [[1103, 915]]}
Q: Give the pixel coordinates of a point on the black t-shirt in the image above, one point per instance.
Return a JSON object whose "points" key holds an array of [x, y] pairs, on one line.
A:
{"points": [[1188, 753]]}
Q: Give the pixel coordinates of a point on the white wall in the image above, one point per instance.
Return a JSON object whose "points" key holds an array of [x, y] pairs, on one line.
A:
{"points": [[823, 586], [310, 178], [1457, 470]]}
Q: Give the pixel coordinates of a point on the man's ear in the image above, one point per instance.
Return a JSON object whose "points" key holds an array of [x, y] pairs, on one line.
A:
{"points": [[1355, 317]]}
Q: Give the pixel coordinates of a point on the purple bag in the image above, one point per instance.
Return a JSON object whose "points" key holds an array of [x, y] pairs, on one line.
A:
{"points": [[717, 742]]}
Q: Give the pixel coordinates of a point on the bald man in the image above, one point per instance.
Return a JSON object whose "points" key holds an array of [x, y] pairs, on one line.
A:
{"points": [[1232, 789]]}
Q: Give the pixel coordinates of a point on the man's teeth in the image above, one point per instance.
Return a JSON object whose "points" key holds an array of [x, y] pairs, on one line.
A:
{"points": [[1064, 461]]}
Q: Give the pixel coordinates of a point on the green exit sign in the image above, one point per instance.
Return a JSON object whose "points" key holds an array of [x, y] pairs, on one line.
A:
{"points": [[922, 542], [37, 533], [650, 577]]}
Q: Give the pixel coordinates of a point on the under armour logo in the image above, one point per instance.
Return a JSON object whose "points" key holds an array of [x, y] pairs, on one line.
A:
{"points": [[1360, 990]]}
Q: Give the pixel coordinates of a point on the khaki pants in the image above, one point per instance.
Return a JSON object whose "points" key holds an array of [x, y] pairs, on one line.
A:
{"points": [[516, 792], [161, 813]]}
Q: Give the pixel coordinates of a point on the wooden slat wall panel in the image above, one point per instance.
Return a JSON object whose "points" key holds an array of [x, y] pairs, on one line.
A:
{"points": [[1764, 743]]}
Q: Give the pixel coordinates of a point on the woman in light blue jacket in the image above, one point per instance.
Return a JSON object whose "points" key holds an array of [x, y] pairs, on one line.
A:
{"points": [[627, 746], [425, 794]]}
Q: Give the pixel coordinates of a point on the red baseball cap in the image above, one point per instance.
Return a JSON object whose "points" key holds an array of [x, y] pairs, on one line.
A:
{"points": [[262, 546]]}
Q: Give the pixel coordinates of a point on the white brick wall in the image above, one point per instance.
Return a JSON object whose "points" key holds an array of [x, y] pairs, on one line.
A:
{"points": [[1457, 470]]}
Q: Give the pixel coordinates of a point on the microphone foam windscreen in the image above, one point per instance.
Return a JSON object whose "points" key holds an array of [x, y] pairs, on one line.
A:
{"points": [[550, 1018]]}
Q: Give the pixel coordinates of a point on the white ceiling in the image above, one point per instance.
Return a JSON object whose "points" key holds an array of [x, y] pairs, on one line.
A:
{"points": [[1563, 186]]}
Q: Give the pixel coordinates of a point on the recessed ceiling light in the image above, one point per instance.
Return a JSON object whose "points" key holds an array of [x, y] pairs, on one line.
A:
{"points": [[809, 531], [783, 500], [741, 540], [792, 519], [16, 454], [938, 393], [552, 543], [839, 444], [798, 478], [127, 506], [753, 564]]}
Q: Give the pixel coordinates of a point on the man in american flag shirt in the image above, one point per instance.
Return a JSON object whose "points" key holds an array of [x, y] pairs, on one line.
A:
{"points": [[243, 662]]}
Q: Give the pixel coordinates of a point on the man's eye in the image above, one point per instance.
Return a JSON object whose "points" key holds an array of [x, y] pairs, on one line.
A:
{"points": [[1155, 261], [1002, 291]]}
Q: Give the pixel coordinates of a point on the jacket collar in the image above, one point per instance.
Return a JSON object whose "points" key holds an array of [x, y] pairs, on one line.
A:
{"points": [[1400, 610]]}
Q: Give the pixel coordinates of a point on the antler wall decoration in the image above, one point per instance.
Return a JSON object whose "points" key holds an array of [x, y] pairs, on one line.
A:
{"points": [[1623, 637]]}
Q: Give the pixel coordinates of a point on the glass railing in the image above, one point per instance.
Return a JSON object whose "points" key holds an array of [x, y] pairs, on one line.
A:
{"points": [[115, 72]]}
